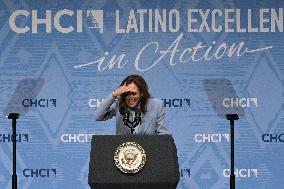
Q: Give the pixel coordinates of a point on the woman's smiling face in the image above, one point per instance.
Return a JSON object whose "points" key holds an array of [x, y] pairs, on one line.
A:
{"points": [[133, 97]]}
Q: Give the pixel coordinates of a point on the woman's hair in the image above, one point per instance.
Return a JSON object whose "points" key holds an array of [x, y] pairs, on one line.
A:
{"points": [[143, 87]]}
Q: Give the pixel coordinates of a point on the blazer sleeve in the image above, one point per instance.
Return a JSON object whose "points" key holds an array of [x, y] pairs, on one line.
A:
{"points": [[161, 127], [106, 109]]}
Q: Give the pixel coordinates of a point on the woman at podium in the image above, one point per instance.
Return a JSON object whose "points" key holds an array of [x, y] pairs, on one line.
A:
{"points": [[135, 110]]}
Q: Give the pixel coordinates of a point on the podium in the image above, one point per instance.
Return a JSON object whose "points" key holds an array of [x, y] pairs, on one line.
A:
{"points": [[161, 170]]}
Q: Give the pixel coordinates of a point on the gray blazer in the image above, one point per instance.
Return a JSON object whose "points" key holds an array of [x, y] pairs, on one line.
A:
{"points": [[152, 122]]}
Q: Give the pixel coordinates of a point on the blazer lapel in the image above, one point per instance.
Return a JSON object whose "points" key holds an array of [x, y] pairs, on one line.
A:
{"points": [[146, 122]]}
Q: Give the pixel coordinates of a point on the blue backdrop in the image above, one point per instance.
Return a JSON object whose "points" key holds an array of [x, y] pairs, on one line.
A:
{"points": [[202, 58]]}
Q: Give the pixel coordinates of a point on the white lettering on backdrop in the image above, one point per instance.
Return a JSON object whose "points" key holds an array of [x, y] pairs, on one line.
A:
{"points": [[197, 53]]}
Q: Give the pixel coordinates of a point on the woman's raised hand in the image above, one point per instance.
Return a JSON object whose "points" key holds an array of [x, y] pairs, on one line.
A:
{"points": [[122, 89]]}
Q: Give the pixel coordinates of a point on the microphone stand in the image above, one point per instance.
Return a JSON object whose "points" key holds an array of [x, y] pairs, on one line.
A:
{"points": [[232, 118], [14, 117]]}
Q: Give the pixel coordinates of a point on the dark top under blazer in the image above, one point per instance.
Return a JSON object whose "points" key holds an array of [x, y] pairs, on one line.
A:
{"points": [[152, 122]]}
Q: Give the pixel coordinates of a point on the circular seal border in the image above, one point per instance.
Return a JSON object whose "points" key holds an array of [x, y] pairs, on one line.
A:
{"points": [[125, 145]]}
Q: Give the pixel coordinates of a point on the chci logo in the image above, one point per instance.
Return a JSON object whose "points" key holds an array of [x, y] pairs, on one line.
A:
{"points": [[273, 137], [43, 172], [63, 21], [7, 137], [243, 173], [211, 137], [43, 103], [95, 102], [176, 102], [74, 138], [240, 102]]}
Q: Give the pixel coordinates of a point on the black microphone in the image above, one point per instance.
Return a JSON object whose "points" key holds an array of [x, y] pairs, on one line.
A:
{"points": [[137, 118], [125, 118]]}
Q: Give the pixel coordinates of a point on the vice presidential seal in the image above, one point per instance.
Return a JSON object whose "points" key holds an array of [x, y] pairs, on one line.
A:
{"points": [[130, 157]]}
